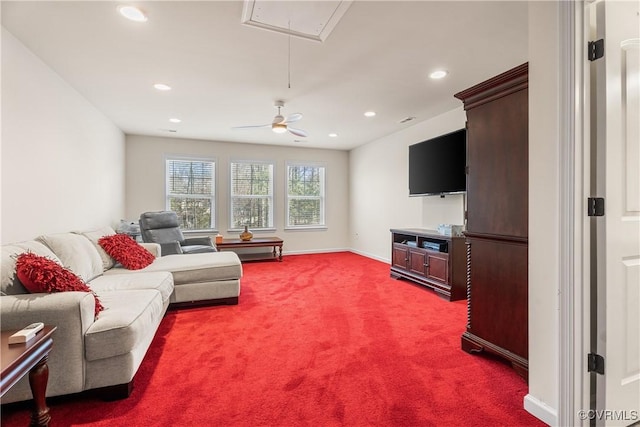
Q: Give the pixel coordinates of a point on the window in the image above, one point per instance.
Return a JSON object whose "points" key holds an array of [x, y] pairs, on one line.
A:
{"points": [[251, 195], [191, 192], [305, 195]]}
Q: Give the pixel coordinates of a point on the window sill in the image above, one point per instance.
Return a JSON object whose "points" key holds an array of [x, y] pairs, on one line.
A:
{"points": [[254, 231], [192, 232], [308, 228]]}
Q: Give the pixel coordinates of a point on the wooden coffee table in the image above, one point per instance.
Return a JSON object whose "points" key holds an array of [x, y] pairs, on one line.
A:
{"points": [[256, 242], [30, 357]]}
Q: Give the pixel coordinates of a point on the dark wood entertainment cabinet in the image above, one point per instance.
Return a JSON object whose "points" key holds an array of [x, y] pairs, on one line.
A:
{"points": [[441, 270]]}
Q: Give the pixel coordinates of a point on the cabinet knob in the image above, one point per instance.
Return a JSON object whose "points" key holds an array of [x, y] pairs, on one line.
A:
{"points": [[426, 264]]}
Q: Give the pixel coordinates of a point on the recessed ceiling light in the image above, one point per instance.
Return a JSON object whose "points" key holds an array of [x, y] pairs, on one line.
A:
{"points": [[370, 114], [438, 74], [333, 135], [162, 86], [132, 13], [173, 120]]}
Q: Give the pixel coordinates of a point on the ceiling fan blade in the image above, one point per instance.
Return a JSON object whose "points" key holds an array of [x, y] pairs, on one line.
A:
{"points": [[297, 132], [293, 117], [251, 127]]}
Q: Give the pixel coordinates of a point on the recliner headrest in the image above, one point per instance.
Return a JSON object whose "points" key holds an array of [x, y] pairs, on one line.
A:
{"points": [[162, 219]]}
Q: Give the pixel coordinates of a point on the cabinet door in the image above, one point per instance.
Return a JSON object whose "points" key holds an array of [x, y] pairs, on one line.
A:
{"points": [[497, 156], [400, 256], [438, 266], [418, 261], [499, 297]]}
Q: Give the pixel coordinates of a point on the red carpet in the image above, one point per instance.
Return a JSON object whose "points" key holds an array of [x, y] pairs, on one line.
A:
{"points": [[317, 340]]}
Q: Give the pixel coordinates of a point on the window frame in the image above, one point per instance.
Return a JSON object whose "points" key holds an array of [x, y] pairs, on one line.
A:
{"points": [[322, 197], [272, 208], [212, 197]]}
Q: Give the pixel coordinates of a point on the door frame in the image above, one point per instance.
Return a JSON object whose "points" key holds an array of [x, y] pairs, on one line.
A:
{"points": [[574, 239]]}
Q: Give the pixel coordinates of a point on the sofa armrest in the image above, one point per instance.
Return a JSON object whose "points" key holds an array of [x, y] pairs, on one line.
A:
{"points": [[203, 240], [154, 248], [58, 308], [170, 248], [72, 313]]}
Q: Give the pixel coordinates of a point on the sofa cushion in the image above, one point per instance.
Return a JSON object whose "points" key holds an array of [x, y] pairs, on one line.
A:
{"points": [[126, 251], [162, 281], [76, 253], [39, 274], [94, 236], [128, 319], [194, 268], [9, 282]]}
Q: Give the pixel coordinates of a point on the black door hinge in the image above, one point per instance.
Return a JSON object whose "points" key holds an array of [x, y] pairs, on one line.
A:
{"points": [[595, 50], [595, 206], [595, 363]]}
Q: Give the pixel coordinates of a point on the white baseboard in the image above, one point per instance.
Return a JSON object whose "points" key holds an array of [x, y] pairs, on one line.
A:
{"points": [[330, 250], [316, 251], [541, 410], [372, 256]]}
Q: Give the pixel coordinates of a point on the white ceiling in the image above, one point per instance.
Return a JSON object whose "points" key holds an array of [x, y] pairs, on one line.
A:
{"points": [[225, 74]]}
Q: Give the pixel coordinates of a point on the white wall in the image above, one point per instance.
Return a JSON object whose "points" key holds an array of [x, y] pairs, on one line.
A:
{"points": [[380, 188], [146, 189], [544, 210], [62, 160]]}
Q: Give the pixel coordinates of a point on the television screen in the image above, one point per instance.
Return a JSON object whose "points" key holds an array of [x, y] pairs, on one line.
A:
{"points": [[437, 166]]}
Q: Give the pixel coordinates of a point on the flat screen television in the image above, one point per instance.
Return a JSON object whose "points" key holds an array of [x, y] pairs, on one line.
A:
{"points": [[437, 165]]}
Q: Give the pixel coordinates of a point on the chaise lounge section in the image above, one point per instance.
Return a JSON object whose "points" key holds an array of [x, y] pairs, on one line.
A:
{"points": [[104, 352]]}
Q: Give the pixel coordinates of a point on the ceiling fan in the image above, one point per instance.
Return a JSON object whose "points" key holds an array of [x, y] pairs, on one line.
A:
{"points": [[280, 124]]}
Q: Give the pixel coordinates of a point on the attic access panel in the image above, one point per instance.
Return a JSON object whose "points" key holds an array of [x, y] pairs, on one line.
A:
{"points": [[313, 20]]}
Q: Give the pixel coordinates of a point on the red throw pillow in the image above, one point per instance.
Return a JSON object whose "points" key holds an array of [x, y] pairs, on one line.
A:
{"points": [[126, 251], [40, 274]]}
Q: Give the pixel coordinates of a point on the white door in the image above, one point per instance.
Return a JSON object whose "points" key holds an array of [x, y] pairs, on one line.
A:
{"points": [[617, 97]]}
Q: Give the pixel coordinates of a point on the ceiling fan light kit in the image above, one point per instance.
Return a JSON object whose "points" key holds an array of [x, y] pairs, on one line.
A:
{"points": [[279, 127], [280, 124]]}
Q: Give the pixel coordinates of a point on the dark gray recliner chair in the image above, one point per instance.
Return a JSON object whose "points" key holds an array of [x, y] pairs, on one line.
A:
{"points": [[163, 228]]}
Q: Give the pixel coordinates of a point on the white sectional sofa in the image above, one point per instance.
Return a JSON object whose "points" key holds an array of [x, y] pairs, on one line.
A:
{"points": [[105, 352]]}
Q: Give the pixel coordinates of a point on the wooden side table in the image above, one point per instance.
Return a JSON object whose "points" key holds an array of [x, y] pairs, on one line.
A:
{"points": [[31, 357], [256, 242]]}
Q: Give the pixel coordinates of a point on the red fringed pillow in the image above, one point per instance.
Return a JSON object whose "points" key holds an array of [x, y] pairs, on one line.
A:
{"points": [[40, 274], [126, 251]]}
